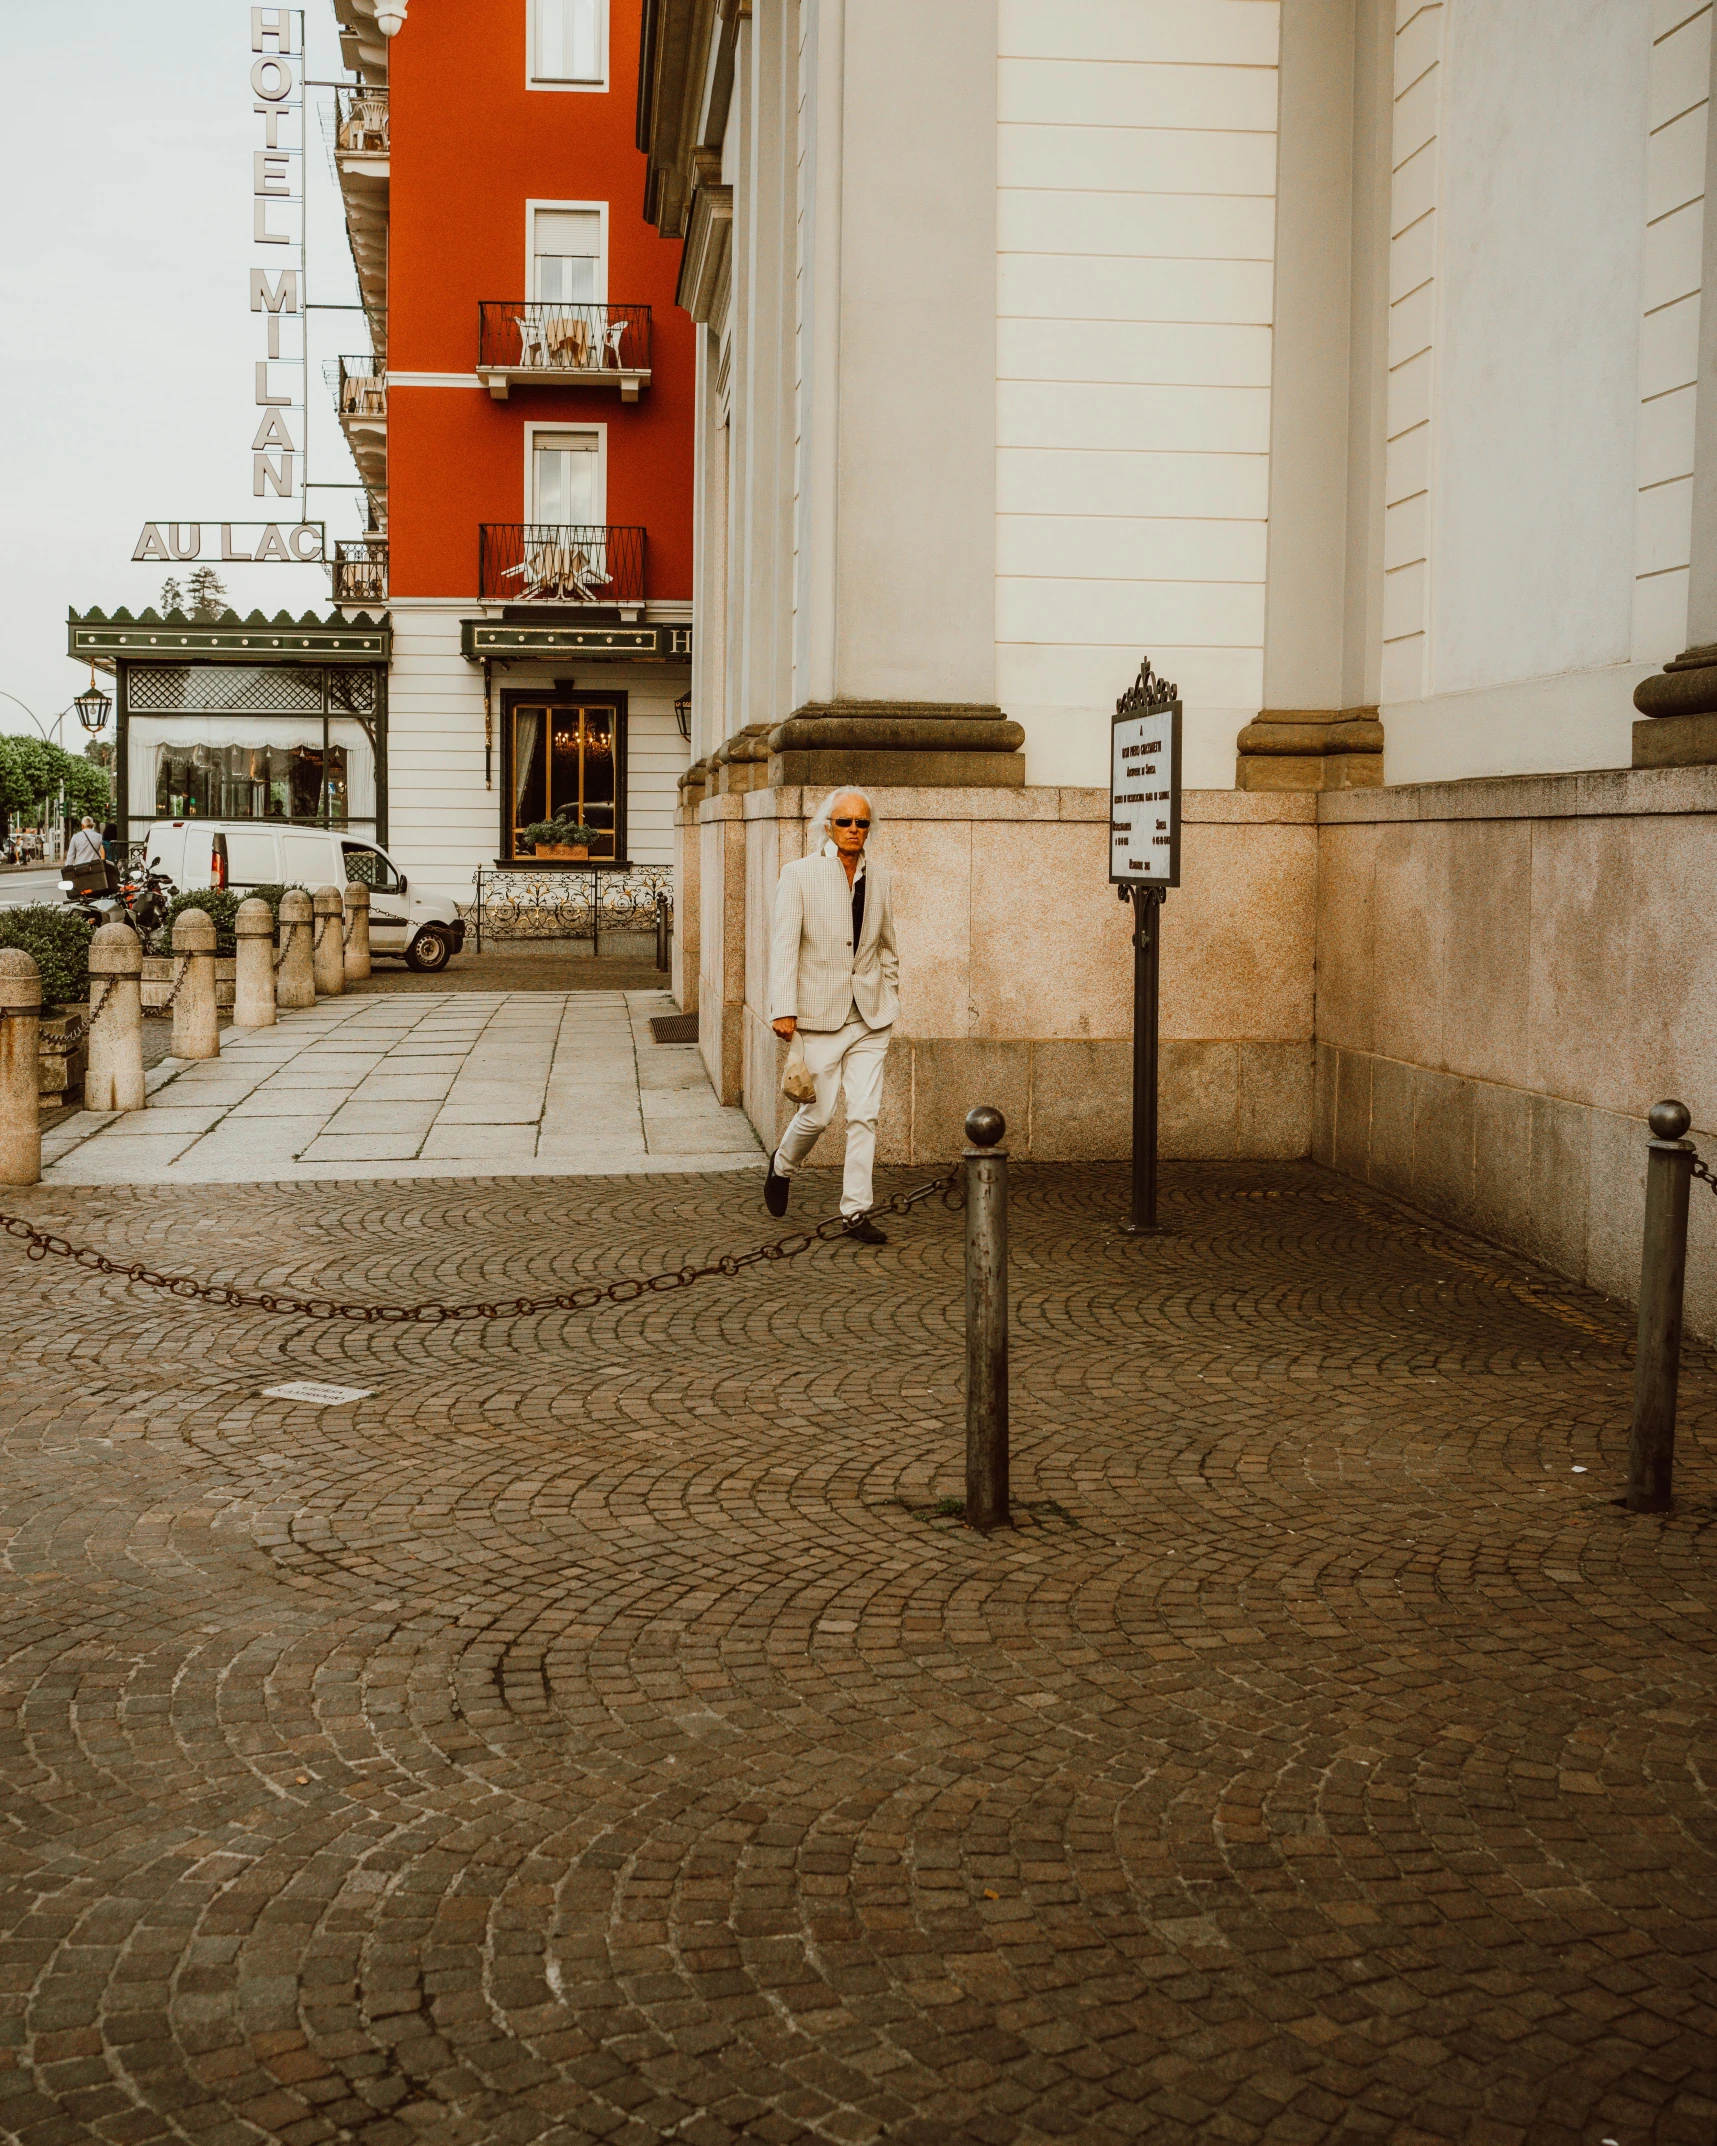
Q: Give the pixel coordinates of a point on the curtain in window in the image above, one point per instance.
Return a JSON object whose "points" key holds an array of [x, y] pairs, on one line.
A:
{"points": [[527, 736]]}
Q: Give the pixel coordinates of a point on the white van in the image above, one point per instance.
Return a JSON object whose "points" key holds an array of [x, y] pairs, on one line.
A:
{"points": [[424, 929]]}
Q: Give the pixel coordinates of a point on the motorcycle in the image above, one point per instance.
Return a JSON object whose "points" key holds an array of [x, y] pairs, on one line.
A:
{"points": [[101, 893]]}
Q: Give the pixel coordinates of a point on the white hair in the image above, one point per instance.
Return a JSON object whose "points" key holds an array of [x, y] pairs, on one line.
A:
{"points": [[819, 832]]}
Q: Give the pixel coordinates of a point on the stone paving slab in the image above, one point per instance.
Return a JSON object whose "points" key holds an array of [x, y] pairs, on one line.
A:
{"points": [[603, 1730], [420, 1085]]}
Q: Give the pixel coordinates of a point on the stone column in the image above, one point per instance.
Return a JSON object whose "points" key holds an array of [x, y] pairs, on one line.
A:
{"points": [[253, 988], [1680, 701], [328, 949], [358, 932], [895, 672], [196, 1025], [20, 1038], [295, 980], [114, 1079]]}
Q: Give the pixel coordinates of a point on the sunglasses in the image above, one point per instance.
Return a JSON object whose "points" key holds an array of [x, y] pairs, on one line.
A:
{"points": [[852, 823]]}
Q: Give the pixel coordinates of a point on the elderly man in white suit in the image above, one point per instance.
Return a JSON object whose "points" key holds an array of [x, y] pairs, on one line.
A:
{"points": [[834, 977]]}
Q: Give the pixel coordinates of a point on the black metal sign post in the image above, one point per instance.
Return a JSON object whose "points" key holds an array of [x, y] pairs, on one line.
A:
{"points": [[1144, 862]]}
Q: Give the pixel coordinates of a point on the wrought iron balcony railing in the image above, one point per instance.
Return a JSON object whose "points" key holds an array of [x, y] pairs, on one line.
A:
{"points": [[362, 388], [559, 343], [361, 570], [361, 121], [560, 563]]}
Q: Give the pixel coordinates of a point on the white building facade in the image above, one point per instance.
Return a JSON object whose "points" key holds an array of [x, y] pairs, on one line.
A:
{"points": [[1341, 356]]}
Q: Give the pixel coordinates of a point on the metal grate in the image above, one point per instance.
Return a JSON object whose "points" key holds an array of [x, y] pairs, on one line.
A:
{"points": [[351, 689], [224, 689], [674, 1027]]}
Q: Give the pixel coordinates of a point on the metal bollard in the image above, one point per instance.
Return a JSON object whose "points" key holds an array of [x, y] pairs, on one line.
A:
{"points": [[986, 1321], [20, 1043], [358, 942], [663, 957], [1663, 1276], [114, 1080], [253, 987], [196, 1025], [328, 948], [295, 980]]}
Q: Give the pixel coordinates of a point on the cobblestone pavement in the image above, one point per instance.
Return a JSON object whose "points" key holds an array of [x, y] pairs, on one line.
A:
{"points": [[600, 1732]]}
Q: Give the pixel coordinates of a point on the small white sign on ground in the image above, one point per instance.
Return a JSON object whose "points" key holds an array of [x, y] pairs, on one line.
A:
{"points": [[314, 1395]]}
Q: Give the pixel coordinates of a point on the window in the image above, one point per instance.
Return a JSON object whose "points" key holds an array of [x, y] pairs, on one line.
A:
{"points": [[566, 256], [370, 868], [250, 782], [569, 42], [566, 478], [566, 765]]}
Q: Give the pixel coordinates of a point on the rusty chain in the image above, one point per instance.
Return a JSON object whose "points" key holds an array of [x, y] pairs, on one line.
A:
{"points": [[43, 1244], [160, 1013], [62, 1046], [287, 928]]}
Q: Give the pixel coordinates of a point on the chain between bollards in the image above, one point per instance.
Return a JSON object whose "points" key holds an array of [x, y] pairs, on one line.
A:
{"points": [[986, 1172]]}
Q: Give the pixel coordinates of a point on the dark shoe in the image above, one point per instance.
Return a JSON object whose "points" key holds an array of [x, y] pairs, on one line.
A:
{"points": [[775, 1190], [862, 1230]]}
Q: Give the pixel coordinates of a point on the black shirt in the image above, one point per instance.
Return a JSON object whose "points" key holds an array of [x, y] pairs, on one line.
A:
{"points": [[858, 910]]}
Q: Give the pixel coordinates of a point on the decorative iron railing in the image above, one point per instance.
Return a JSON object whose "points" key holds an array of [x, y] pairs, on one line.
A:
{"points": [[576, 902], [561, 563], [361, 121], [554, 336], [361, 570], [361, 387]]}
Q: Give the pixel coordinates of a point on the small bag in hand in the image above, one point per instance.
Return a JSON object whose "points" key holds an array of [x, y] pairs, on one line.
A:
{"points": [[796, 1082]]}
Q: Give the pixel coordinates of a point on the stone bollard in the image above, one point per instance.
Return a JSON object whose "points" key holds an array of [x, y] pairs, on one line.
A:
{"points": [[1670, 1157], [358, 931], [329, 956], [114, 1080], [295, 980], [196, 1025], [20, 1036], [253, 982]]}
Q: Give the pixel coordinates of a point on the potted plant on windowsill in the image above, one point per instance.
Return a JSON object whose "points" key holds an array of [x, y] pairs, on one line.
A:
{"points": [[567, 839]]}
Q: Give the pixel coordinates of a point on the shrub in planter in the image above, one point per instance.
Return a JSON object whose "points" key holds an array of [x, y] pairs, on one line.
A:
{"points": [[220, 904], [560, 834], [57, 940]]}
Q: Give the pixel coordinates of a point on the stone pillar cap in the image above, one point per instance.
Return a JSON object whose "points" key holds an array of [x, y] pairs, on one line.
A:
{"points": [[115, 950], [20, 979], [327, 899], [295, 905], [255, 920], [193, 932], [357, 894]]}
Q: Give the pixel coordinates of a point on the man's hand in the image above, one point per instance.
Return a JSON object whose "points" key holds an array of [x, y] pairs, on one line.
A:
{"points": [[785, 1026]]}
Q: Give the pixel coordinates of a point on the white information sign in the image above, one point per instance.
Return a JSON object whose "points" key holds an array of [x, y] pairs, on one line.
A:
{"points": [[1144, 796]]}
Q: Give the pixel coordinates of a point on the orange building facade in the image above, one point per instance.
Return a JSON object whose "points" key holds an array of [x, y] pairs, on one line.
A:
{"points": [[524, 432]]}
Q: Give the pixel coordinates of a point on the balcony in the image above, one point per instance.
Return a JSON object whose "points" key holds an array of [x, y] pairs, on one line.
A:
{"points": [[561, 563], [361, 570], [557, 343], [360, 389], [360, 148]]}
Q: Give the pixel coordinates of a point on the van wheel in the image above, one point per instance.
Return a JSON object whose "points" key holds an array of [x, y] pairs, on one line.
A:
{"points": [[432, 949]]}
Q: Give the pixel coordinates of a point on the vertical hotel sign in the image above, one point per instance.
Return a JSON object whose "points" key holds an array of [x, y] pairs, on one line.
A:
{"points": [[277, 233]]}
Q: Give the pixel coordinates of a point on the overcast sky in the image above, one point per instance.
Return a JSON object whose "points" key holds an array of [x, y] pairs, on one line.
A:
{"points": [[127, 347]]}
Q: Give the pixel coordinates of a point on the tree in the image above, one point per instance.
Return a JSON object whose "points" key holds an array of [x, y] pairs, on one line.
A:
{"points": [[100, 751], [202, 595]]}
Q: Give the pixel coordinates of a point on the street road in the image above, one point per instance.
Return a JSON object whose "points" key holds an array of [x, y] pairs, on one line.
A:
{"points": [[19, 889]]}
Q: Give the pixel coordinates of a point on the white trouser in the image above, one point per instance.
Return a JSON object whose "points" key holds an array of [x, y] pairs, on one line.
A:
{"points": [[849, 1058]]}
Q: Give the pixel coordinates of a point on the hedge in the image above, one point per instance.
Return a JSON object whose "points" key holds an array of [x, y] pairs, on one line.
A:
{"points": [[220, 904], [58, 941]]}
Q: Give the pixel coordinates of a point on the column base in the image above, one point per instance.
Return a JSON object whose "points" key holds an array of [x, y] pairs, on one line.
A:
{"points": [[919, 745], [1311, 749], [1676, 740]]}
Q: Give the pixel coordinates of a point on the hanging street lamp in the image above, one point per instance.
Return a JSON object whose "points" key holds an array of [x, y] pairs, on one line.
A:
{"points": [[93, 705]]}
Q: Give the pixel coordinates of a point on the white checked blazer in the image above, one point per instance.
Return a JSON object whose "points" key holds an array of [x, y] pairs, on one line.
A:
{"points": [[815, 972]]}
